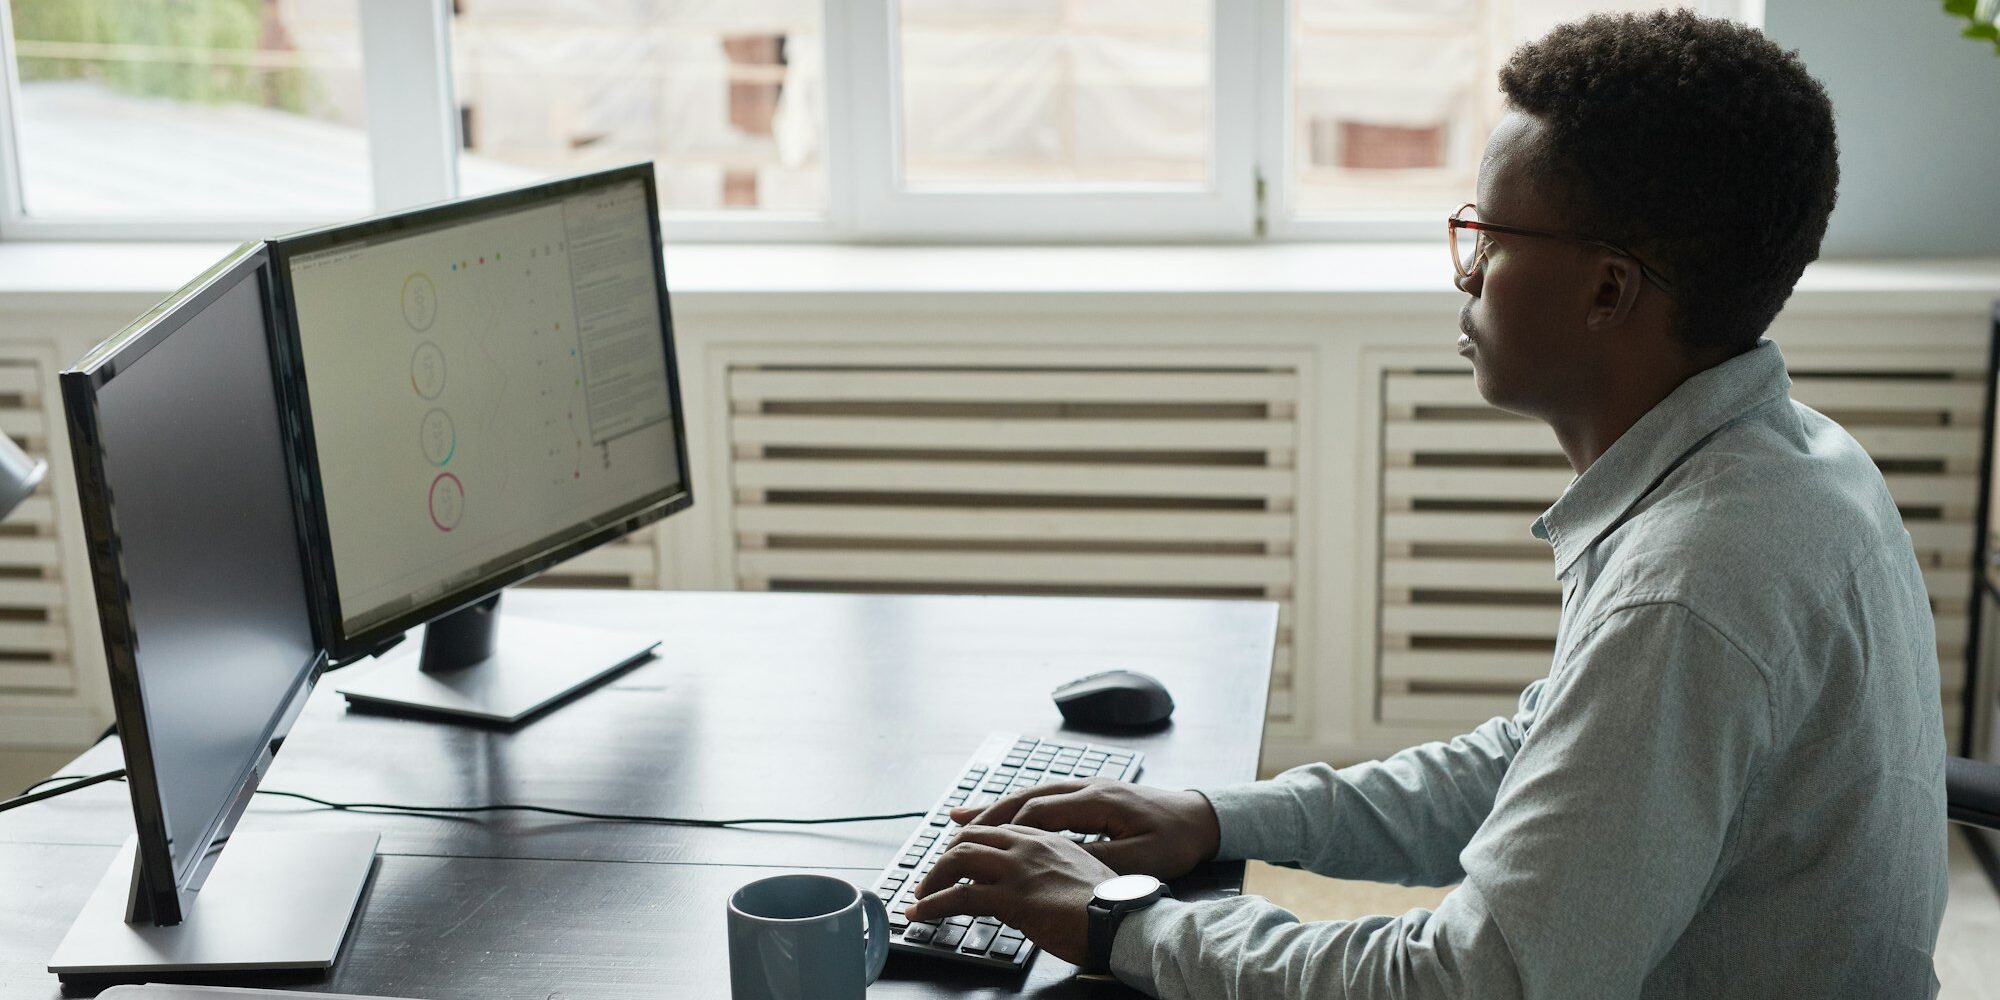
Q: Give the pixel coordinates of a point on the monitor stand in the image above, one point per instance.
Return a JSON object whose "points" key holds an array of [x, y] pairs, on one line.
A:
{"points": [[482, 665], [274, 901]]}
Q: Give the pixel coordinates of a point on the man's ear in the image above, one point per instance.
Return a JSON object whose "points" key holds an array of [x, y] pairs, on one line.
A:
{"points": [[1617, 287]]}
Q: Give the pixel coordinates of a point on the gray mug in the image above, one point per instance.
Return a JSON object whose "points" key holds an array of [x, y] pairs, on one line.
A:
{"points": [[799, 937]]}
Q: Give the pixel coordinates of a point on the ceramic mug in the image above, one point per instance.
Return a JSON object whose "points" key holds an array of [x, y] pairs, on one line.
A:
{"points": [[800, 937]]}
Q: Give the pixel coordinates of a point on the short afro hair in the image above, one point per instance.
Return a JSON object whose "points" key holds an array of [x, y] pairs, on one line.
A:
{"points": [[1698, 144]]}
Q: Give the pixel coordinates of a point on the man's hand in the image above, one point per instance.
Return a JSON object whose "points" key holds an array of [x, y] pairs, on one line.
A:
{"points": [[1153, 831], [1037, 882]]}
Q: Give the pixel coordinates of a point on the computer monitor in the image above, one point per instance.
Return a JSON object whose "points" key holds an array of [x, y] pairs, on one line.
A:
{"points": [[482, 388], [197, 557]]}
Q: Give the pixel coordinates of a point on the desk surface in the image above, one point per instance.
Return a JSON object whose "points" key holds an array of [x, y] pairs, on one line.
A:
{"points": [[758, 704]]}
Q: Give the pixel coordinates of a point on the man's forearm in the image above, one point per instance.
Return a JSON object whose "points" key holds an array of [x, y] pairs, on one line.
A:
{"points": [[1249, 947], [1403, 819]]}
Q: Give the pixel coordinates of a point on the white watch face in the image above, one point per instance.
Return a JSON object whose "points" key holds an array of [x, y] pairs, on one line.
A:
{"points": [[1126, 888]]}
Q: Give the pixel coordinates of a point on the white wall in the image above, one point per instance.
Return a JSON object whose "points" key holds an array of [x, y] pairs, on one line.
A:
{"points": [[1914, 105]]}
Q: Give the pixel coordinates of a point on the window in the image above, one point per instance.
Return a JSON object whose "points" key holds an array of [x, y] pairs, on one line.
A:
{"points": [[234, 109], [1004, 119], [1390, 103], [1053, 92], [959, 120], [727, 96]]}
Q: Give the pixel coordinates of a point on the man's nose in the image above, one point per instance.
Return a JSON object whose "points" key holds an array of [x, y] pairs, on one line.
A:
{"points": [[1469, 284]]}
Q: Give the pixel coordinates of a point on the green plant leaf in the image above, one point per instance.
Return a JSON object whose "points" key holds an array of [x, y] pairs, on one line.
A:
{"points": [[1960, 8], [1982, 31]]}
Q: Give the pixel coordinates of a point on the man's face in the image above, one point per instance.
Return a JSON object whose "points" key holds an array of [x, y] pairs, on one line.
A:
{"points": [[1523, 327]]}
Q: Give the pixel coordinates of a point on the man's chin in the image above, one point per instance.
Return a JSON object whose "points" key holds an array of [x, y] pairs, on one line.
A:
{"points": [[1489, 388]]}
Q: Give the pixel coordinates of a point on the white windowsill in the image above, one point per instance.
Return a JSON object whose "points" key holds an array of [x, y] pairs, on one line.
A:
{"points": [[782, 277]]}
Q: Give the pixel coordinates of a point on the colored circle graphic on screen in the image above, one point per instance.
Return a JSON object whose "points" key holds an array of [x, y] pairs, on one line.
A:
{"points": [[419, 301], [427, 370], [447, 501], [438, 437]]}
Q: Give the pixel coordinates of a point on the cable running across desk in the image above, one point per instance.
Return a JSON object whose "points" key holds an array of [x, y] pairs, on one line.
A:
{"points": [[379, 807]]}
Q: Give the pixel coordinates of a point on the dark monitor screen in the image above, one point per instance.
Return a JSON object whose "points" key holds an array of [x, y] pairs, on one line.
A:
{"points": [[488, 387], [196, 555]]}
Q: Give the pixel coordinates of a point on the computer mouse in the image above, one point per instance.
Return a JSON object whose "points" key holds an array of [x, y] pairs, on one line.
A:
{"points": [[1124, 698]]}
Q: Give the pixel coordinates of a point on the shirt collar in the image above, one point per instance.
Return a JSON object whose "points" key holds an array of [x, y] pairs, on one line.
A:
{"points": [[1596, 501]]}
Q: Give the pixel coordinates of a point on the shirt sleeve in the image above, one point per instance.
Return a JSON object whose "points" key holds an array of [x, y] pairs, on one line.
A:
{"points": [[1404, 819], [1607, 833]]}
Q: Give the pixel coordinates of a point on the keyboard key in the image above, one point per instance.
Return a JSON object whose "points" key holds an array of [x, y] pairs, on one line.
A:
{"points": [[897, 921], [919, 933], [960, 921], [1005, 947], [949, 936], [910, 860], [980, 937]]}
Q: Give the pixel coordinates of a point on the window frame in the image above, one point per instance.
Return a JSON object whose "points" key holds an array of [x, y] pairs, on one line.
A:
{"points": [[884, 209], [413, 151]]}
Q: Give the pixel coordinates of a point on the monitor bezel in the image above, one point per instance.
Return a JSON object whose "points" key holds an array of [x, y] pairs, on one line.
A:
{"points": [[160, 895], [303, 444]]}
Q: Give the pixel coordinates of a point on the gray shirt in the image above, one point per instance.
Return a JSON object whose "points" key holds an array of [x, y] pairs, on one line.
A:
{"points": [[1731, 784]]}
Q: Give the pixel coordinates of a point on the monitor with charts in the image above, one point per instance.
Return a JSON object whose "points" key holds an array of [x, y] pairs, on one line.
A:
{"points": [[482, 389]]}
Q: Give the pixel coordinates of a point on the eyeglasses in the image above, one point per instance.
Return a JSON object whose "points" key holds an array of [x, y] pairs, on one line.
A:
{"points": [[1469, 255]]}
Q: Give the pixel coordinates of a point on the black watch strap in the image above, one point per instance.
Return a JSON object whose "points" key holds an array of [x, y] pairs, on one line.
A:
{"points": [[1101, 931]]}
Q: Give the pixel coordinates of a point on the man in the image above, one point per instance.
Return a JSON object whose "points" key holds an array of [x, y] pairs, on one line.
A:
{"points": [[1731, 782]]}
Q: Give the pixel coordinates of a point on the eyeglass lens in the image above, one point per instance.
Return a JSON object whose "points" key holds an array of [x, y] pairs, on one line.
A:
{"points": [[1466, 244]]}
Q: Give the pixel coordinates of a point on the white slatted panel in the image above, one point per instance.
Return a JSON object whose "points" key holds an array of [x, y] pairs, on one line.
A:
{"points": [[1468, 600], [35, 655], [1156, 482], [631, 562]]}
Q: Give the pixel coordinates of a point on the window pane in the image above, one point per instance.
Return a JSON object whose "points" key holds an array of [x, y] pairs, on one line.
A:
{"points": [[1057, 91], [1392, 100], [727, 96], [235, 109]]}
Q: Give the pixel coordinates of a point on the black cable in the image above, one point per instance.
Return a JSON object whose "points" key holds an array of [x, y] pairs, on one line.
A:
{"points": [[580, 814], [710, 824], [31, 796]]}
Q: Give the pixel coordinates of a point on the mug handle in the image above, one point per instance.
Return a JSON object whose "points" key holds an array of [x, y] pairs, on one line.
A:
{"points": [[878, 934]]}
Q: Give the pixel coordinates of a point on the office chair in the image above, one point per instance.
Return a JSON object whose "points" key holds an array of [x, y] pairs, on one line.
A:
{"points": [[1972, 792]]}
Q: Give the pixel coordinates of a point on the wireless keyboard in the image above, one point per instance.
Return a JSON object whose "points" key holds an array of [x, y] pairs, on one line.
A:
{"points": [[1006, 763]]}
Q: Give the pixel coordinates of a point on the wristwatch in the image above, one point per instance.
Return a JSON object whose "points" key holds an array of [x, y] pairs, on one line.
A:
{"points": [[1114, 899]]}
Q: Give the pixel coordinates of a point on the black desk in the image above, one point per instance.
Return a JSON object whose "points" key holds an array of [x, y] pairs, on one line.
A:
{"points": [[758, 704]]}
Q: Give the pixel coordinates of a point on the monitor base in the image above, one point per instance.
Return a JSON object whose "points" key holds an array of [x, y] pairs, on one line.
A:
{"points": [[533, 665], [274, 901]]}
